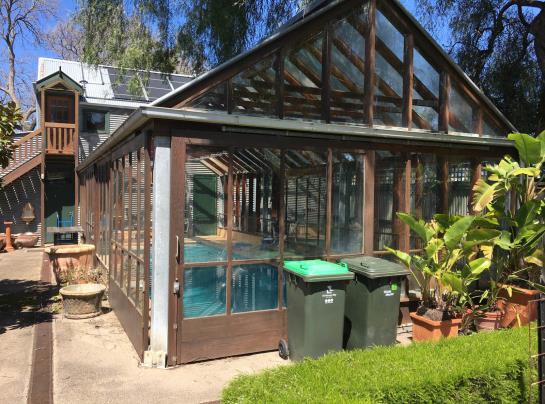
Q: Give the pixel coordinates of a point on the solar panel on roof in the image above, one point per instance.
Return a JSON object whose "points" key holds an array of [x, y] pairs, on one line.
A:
{"points": [[125, 85]]}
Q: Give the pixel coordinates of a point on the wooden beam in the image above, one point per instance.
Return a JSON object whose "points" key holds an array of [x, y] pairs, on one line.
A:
{"points": [[442, 177], [444, 91], [229, 214], [369, 80], [326, 74], [408, 81], [279, 83]]}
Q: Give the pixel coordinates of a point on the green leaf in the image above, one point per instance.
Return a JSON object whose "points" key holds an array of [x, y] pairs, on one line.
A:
{"points": [[403, 257], [418, 226], [453, 281], [527, 213], [457, 231], [483, 194], [479, 265], [531, 150]]}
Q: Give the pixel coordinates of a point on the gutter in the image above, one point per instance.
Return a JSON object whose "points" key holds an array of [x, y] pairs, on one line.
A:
{"points": [[285, 127]]}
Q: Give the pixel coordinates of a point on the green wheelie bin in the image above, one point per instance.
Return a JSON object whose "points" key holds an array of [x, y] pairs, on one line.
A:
{"points": [[315, 292], [372, 302]]}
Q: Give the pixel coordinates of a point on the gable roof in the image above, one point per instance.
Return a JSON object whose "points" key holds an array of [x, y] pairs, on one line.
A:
{"points": [[108, 85], [318, 13]]}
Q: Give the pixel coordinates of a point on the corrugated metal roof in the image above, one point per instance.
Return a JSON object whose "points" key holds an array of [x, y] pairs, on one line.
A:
{"points": [[108, 85]]}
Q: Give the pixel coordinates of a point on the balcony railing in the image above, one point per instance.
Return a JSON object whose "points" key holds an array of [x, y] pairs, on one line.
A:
{"points": [[59, 138]]}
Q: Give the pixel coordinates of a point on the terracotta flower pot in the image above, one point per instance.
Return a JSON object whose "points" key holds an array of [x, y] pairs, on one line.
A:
{"points": [[489, 321], [519, 310], [71, 263], [25, 241], [425, 329]]}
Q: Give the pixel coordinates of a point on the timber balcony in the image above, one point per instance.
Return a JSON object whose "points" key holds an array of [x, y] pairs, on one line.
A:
{"points": [[59, 138]]}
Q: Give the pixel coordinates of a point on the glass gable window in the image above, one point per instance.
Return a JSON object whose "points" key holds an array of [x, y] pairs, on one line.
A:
{"points": [[347, 68], [491, 129], [254, 90], [213, 100], [425, 93], [347, 209], [389, 73], [303, 80], [461, 111]]}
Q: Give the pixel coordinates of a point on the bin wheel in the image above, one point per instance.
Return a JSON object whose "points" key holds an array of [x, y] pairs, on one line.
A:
{"points": [[283, 350]]}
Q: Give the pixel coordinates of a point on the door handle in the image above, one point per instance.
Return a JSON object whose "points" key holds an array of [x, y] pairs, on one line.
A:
{"points": [[177, 249]]}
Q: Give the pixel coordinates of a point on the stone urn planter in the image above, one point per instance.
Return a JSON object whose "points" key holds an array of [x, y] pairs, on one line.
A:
{"points": [[425, 329], [519, 310], [82, 301], [25, 240], [489, 321], [71, 263]]}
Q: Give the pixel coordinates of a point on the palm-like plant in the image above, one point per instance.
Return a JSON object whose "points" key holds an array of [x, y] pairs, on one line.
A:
{"points": [[450, 261]]}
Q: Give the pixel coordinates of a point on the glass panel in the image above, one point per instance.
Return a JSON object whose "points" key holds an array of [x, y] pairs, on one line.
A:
{"points": [[254, 89], [256, 203], [425, 94], [94, 121], [389, 72], [303, 80], [347, 209], [389, 174], [206, 171], [213, 100], [348, 66], [459, 186], [460, 112], [254, 287], [204, 291], [491, 129], [425, 186], [305, 200]]}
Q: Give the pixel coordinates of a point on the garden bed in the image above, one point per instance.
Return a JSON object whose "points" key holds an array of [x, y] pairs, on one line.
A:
{"points": [[488, 367]]}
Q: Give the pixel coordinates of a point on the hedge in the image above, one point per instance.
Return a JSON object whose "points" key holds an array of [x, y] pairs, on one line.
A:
{"points": [[479, 368]]}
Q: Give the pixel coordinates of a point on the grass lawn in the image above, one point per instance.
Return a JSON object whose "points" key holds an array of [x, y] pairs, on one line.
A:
{"points": [[480, 368]]}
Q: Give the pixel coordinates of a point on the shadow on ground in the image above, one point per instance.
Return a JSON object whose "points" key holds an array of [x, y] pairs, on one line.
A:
{"points": [[24, 303]]}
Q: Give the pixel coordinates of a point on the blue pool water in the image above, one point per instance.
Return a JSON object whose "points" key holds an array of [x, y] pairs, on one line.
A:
{"points": [[202, 252]]}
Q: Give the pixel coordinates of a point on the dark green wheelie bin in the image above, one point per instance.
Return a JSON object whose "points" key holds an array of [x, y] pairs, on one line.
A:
{"points": [[315, 299], [372, 302]]}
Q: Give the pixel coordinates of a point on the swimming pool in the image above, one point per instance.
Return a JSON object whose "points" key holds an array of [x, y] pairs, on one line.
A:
{"points": [[204, 252]]}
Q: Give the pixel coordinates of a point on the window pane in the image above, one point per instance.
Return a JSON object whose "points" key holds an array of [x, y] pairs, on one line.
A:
{"points": [[491, 129], [254, 89], [347, 210], [460, 112], [459, 185], [94, 121], [254, 287], [348, 66], [256, 203], [389, 173], [425, 186], [206, 171], [303, 80], [204, 291], [389, 71], [305, 200], [213, 100], [425, 94]]}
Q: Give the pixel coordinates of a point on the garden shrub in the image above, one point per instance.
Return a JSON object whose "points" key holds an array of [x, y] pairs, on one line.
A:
{"points": [[479, 368]]}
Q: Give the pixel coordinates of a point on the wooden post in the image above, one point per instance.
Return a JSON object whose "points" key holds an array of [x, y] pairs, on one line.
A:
{"points": [[76, 159], [444, 92], [228, 289], [408, 81], [279, 83], [326, 74], [329, 201], [442, 177], [9, 246], [369, 80], [42, 166]]}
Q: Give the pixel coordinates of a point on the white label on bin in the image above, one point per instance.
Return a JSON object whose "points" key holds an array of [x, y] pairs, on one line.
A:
{"points": [[329, 296], [388, 293]]}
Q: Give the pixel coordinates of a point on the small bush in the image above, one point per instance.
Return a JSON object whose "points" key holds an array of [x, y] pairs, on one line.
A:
{"points": [[480, 368]]}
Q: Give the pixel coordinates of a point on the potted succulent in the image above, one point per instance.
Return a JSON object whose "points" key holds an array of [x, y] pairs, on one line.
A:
{"points": [[442, 271], [512, 197]]}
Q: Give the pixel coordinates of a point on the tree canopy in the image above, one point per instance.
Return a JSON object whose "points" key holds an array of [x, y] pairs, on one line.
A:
{"points": [[500, 44], [9, 117]]}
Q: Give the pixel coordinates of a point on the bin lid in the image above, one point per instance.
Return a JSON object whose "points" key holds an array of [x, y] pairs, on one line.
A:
{"points": [[373, 267], [318, 270]]}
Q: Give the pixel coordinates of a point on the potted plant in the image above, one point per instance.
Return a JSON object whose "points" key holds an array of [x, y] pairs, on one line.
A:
{"points": [[442, 271], [512, 197]]}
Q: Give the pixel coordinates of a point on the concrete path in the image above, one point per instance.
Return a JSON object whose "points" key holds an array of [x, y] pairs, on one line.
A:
{"points": [[20, 287], [94, 362]]}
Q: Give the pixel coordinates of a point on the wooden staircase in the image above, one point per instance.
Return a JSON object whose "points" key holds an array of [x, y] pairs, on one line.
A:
{"points": [[27, 154]]}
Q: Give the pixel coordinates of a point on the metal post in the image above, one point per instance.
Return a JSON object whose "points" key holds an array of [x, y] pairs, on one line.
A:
{"points": [[156, 356], [541, 347]]}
